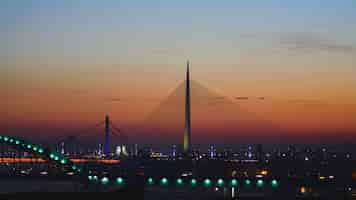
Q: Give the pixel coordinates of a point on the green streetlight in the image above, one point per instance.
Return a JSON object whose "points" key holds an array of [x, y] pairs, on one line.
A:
{"points": [[164, 181], [179, 181], [120, 181], [150, 181], [40, 150], [193, 182], [220, 182], [259, 183], [207, 182], [90, 178], [274, 183], [247, 182], [6, 138], [17, 142], [234, 182], [63, 161], [105, 180]]}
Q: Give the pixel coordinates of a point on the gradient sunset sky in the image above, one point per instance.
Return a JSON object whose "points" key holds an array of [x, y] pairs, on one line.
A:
{"points": [[65, 64]]}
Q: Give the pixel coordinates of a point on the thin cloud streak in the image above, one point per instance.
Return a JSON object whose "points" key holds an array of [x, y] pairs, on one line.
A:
{"points": [[307, 102], [307, 42], [241, 98]]}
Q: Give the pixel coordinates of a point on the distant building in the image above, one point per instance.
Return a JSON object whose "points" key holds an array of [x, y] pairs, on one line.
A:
{"points": [[62, 148], [136, 150], [259, 153], [100, 151], [118, 151], [212, 152], [249, 153], [71, 146], [124, 150], [174, 151]]}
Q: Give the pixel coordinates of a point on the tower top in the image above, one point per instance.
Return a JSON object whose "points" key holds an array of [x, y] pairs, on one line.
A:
{"points": [[187, 130], [187, 72]]}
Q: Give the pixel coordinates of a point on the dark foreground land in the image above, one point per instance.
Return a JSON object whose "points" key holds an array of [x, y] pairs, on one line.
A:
{"points": [[291, 175], [66, 190]]}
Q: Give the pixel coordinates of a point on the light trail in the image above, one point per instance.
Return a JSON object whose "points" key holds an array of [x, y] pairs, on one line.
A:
{"points": [[40, 160]]}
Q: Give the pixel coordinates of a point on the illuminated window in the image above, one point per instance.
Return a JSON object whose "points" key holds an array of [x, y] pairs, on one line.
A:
{"points": [[264, 172], [303, 190]]}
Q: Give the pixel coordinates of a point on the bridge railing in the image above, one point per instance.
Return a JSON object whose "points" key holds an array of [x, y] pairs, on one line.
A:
{"points": [[42, 152], [210, 182]]}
